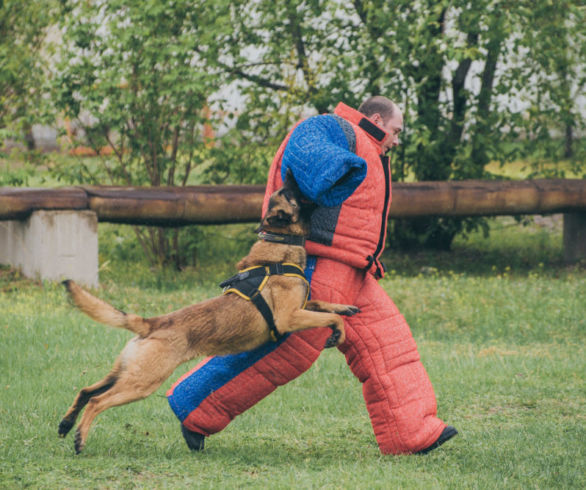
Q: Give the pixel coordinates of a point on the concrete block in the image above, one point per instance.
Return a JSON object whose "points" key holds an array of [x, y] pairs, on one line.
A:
{"points": [[53, 245], [574, 237]]}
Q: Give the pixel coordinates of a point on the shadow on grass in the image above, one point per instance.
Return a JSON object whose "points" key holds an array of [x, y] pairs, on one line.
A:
{"points": [[532, 245]]}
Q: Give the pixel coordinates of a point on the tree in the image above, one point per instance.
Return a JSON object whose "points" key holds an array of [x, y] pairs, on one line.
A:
{"points": [[452, 64], [555, 39], [142, 73], [23, 29], [131, 76]]}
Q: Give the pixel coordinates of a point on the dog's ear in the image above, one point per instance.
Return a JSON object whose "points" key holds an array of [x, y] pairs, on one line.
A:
{"points": [[291, 184], [287, 206]]}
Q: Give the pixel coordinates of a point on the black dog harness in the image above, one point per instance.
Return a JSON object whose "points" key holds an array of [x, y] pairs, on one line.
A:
{"points": [[248, 284]]}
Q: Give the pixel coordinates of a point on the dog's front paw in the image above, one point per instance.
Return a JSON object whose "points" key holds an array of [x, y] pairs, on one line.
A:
{"points": [[332, 340], [64, 427], [349, 310]]}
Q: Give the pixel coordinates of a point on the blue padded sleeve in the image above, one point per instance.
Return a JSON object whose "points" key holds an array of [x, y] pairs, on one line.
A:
{"points": [[325, 169]]}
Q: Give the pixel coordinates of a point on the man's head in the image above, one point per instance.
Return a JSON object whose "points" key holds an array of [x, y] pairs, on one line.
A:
{"points": [[387, 115]]}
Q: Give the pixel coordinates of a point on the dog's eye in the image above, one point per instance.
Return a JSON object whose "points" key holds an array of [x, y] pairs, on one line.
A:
{"points": [[291, 199]]}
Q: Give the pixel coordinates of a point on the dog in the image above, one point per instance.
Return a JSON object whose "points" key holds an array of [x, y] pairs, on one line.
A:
{"points": [[227, 324]]}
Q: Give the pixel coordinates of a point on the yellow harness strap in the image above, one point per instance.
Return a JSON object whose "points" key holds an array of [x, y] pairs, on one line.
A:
{"points": [[248, 284]]}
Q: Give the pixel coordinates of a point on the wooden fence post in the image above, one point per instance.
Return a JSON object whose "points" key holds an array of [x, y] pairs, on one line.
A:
{"points": [[574, 237]]}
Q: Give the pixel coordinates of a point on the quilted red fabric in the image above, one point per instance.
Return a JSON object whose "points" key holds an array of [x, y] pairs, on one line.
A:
{"points": [[379, 347]]}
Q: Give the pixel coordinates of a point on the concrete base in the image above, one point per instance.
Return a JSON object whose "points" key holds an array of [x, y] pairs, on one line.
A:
{"points": [[53, 245], [574, 237]]}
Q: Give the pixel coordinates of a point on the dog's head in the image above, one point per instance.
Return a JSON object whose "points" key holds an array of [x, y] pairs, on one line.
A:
{"points": [[288, 211]]}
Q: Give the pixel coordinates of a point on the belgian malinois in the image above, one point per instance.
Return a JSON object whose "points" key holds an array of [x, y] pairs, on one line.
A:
{"points": [[227, 324]]}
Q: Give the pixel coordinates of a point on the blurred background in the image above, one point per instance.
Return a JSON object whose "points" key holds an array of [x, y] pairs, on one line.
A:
{"points": [[155, 93]]}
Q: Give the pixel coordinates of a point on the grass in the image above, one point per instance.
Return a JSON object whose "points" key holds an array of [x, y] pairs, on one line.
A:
{"points": [[500, 326]]}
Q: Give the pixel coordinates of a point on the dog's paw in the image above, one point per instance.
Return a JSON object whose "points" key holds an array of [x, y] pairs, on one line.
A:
{"points": [[79, 444], [350, 310], [333, 339], [64, 427]]}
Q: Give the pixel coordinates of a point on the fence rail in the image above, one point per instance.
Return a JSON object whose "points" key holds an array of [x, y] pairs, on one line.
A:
{"points": [[53, 233], [179, 206]]}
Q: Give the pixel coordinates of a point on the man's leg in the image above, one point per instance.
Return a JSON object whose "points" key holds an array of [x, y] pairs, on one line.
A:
{"points": [[379, 349], [382, 353], [207, 398]]}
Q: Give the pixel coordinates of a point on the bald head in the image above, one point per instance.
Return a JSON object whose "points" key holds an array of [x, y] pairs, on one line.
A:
{"points": [[378, 105], [387, 115]]}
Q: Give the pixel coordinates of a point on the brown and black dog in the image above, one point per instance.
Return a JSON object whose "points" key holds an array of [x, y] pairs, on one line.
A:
{"points": [[226, 324]]}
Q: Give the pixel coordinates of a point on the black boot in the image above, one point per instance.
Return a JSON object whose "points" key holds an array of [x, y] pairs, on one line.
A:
{"points": [[195, 441], [446, 435]]}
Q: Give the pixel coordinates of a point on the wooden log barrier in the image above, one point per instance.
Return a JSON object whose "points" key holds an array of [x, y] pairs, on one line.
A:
{"points": [[487, 198], [18, 203], [178, 206], [62, 222]]}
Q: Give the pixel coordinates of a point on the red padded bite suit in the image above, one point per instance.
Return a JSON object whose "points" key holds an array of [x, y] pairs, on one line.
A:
{"points": [[379, 347]]}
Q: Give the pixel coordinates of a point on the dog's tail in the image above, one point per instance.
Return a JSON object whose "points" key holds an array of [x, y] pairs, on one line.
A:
{"points": [[102, 312]]}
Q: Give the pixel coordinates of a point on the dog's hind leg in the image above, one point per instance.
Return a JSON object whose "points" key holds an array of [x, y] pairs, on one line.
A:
{"points": [[84, 396], [111, 398], [144, 369]]}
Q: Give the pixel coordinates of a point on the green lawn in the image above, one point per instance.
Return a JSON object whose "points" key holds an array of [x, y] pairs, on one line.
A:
{"points": [[500, 326]]}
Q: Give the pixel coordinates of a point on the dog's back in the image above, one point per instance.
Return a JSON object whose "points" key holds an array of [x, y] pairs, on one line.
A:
{"points": [[217, 326]]}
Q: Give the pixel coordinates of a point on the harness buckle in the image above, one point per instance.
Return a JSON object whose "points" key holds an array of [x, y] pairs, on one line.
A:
{"points": [[278, 269]]}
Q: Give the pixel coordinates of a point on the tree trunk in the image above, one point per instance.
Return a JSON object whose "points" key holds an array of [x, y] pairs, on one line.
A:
{"points": [[569, 141]]}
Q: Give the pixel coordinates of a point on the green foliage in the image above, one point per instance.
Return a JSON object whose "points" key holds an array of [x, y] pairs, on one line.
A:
{"points": [[23, 28], [20, 167], [131, 77], [554, 41], [455, 67], [16, 177], [244, 154], [479, 82], [218, 250]]}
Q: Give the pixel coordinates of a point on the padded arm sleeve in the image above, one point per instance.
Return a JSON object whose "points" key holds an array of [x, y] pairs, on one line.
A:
{"points": [[325, 169]]}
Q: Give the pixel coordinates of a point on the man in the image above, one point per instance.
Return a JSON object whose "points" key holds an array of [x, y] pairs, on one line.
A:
{"points": [[339, 164]]}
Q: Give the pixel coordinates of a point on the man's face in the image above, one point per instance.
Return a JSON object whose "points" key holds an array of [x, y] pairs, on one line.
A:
{"points": [[393, 126]]}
